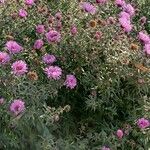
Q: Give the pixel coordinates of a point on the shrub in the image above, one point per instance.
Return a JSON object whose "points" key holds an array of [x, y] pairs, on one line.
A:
{"points": [[74, 75]]}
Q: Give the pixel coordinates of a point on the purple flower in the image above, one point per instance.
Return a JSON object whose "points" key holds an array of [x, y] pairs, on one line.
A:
{"points": [[1, 100], [13, 47], [73, 30], [124, 14], [29, 2], [129, 9], [70, 81], [98, 35], [53, 36], [40, 28], [101, 1], [119, 133], [125, 24], [2, 1], [53, 72], [111, 20], [38, 44], [19, 68], [143, 20], [23, 13], [105, 148], [4, 58], [88, 7], [58, 16], [147, 49], [49, 59], [17, 107], [143, 123], [144, 37], [120, 3]]}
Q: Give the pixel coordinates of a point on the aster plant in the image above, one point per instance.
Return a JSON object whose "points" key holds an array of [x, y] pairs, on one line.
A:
{"points": [[74, 75]]}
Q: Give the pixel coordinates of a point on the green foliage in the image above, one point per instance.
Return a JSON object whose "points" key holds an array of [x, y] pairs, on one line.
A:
{"points": [[108, 96]]}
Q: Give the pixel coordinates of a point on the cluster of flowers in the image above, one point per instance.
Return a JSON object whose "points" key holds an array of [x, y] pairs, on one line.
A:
{"points": [[20, 67], [53, 72], [142, 124], [125, 15], [22, 12], [145, 40], [52, 36]]}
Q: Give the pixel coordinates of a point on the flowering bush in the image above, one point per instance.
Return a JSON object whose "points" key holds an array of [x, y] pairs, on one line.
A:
{"points": [[74, 75]]}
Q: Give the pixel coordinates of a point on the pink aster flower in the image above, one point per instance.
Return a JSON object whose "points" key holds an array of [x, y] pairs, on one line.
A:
{"points": [[119, 133], [125, 24], [129, 9], [120, 3], [40, 28], [1, 100], [53, 72], [111, 20], [105, 148], [53, 36], [2, 1], [58, 16], [49, 59], [143, 37], [73, 30], [29, 2], [98, 35], [101, 1], [88, 7], [71, 81], [147, 49], [143, 20], [4, 58], [17, 107], [143, 123], [19, 68], [23, 13], [124, 14], [13, 47], [38, 44]]}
